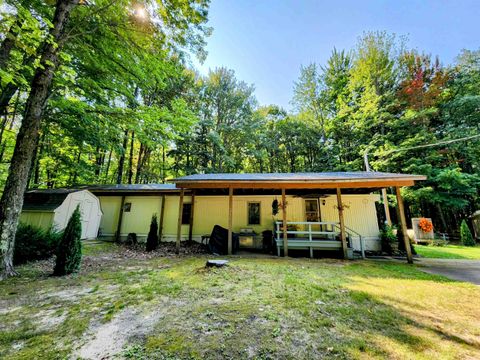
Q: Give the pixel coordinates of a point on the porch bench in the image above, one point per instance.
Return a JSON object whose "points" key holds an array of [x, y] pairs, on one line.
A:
{"points": [[306, 244]]}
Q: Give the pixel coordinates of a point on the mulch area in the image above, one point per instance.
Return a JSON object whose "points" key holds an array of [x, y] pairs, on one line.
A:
{"points": [[119, 253]]}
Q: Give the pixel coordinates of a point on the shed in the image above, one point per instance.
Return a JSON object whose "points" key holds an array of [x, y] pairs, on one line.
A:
{"points": [[47, 208]]}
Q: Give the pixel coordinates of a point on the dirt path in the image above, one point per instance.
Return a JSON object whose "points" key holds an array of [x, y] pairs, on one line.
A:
{"points": [[107, 340], [462, 270]]}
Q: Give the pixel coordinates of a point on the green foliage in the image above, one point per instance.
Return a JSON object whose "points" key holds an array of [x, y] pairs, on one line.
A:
{"points": [[466, 236], [69, 251], [126, 107], [152, 238], [34, 243], [388, 239]]}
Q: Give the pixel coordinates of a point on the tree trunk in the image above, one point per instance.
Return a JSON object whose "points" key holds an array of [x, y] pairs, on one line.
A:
{"points": [[130, 158], [99, 157], [12, 198], [139, 163], [108, 166], [8, 43], [121, 161]]}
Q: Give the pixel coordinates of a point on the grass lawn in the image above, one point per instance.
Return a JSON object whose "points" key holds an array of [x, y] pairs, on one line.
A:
{"points": [[260, 308], [449, 252]]}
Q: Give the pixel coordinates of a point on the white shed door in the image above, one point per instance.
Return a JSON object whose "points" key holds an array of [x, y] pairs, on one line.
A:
{"points": [[86, 210]]}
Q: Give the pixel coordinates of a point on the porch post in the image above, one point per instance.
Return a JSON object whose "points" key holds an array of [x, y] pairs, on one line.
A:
{"points": [[120, 218], [385, 205], [179, 225], [343, 235], [192, 207], [403, 224], [230, 219], [284, 214], [162, 215]]}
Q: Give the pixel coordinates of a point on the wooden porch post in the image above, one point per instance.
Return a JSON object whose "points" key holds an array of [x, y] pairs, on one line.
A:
{"points": [[385, 205], [120, 218], [179, 225], [403, 224], [162, 215], [343, 235], [284, 214], [192, 207], [230, 219]]}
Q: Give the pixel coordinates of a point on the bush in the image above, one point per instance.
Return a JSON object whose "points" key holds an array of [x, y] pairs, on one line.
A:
{"points": [[388, 239], [465, 235], [34, 243], [152, 238], [69, 252]]}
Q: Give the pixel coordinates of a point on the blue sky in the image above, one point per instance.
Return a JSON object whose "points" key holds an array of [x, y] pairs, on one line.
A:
{"points": [[265, 42]]}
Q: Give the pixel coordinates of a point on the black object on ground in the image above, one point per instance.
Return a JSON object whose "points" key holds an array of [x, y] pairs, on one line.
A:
{"points": [[216, 263], [218, 243]]}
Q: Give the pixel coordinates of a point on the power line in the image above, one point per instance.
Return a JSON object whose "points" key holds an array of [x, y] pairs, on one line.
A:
{"points": [[365, 156]]}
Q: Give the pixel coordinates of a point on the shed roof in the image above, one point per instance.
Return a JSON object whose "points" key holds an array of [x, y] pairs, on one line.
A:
{"points": [[45, 199], [350, 179]]}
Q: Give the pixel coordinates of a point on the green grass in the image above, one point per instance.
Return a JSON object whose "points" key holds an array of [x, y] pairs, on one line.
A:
{"points": [[449, 252], [258, 308]]}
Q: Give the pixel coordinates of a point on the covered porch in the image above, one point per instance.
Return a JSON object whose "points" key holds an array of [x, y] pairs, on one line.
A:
{"points": [[309, 235]]}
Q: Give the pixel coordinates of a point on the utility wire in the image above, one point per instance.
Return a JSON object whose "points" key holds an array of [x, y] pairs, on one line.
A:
{"points": [[365, 156]]}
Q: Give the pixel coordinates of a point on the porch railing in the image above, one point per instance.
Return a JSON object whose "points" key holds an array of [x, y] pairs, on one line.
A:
{"points": [[305, 232], [327, 229]]}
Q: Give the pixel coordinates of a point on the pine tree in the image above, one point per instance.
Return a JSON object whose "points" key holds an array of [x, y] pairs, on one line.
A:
{"points": [[69, 252], [152, 239], [465, 235]]}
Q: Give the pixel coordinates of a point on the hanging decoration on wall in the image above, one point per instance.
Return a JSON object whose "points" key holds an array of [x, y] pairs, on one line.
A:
{"points": [[275, 207]]}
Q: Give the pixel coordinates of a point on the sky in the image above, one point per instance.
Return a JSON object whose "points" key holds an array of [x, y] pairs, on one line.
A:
{"points": [[266, 41]]}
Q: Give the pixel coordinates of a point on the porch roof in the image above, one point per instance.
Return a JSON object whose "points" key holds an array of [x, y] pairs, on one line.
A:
{"points": [[313, 180]]}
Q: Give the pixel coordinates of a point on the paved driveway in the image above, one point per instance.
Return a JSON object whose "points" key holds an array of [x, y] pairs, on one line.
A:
{"points": [[463, 270]]}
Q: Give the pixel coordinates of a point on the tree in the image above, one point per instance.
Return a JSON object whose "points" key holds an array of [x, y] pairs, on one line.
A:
{"points": [[78, 43], [152, 238], [69, 252], [466, 237], [12, 197]]}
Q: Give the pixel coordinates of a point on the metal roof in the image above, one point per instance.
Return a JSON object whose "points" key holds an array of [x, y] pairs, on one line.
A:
{"points": [[45, 199], [299, 177], [132, 188]]}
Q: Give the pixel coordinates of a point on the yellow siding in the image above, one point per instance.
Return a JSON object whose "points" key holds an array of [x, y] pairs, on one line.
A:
{"points": [[140, 215], [41, 219], [213, 210], [170, 220], [110, 206], [360, 214]]}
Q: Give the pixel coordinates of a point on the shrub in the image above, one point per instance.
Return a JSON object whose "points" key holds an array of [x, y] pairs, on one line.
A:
{"points": [[388, 238], [465, 235], [69, 251], [132, 239], [152, 238], [34, 243]]}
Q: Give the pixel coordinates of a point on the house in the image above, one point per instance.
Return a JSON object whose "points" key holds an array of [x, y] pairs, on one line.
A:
{"points": [[54, 207], [323, 211]]}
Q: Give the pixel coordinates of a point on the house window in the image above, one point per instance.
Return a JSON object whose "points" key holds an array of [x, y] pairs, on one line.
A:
{"points": [[312, 213], [187, 210], [253, 213], [127, 207]]}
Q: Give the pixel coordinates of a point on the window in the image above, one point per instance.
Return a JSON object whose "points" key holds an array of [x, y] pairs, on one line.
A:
{"points": [[187, 210], [127, 207], [311, 210], [253, 213]]}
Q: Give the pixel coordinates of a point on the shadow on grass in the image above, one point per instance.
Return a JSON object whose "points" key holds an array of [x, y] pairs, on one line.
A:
{"points": [[275, 308]]}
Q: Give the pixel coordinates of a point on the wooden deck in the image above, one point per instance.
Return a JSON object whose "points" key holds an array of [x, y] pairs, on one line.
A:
{"points": [[311, 236]]}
